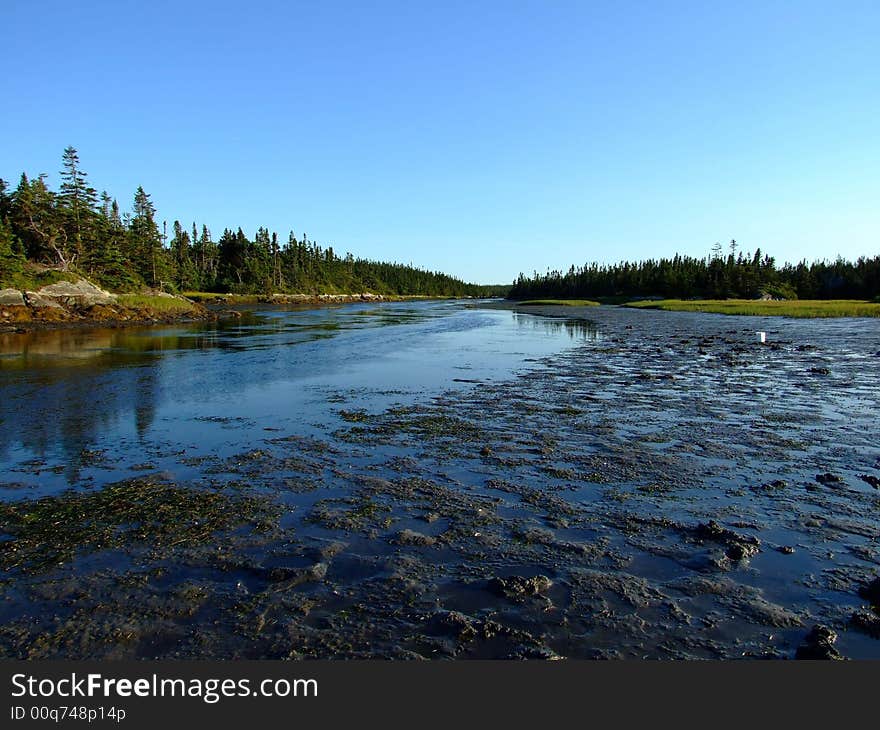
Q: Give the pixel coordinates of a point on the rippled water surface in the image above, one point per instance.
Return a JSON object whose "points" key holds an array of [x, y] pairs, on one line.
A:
{"points": [[437, 480]]}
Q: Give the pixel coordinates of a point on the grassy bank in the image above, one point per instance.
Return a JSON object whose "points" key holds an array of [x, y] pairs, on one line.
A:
{"points": [[787, 308], [558, 303], [163, 305]]}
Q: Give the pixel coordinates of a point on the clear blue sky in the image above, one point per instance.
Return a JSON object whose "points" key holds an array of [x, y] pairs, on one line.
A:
{"points": [[479, 138]]}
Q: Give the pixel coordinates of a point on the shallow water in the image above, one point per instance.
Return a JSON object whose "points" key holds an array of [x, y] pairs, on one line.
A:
{"points": [[355, 481], [136, 393]]}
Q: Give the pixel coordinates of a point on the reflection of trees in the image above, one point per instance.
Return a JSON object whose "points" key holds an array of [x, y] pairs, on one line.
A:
{"points": [[66, 392], [576, 329], [55, 349], [62, 390], [145, 402]]}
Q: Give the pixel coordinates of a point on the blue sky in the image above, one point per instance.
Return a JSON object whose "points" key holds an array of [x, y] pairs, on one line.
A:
{"points": [[478, 138]]}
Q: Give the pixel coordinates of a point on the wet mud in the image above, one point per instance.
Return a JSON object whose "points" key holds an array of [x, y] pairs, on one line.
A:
{"points": [[661, 485]]}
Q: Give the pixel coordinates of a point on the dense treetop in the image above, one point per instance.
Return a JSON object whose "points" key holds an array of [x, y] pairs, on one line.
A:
{"points": [[718, 276], [76, 229]]}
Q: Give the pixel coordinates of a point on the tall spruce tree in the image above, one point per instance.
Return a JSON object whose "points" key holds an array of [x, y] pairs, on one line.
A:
{"points": [[145, 242], [77, 203], [11, 253], [35, 220], [181, 251]]}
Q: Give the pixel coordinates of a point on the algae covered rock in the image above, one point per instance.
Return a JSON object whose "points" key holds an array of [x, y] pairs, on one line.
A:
{"points": [[11, 298]]}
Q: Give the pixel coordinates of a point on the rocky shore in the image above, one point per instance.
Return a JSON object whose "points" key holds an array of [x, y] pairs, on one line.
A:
{"points": [[81, 303], [301, 299]]}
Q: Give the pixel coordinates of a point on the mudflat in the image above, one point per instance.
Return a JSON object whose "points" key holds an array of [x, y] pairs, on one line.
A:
{"points": [[432, 480]]}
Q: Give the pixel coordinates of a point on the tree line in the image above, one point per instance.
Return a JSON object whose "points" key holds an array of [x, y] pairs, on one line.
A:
{"points": [[734, 275], [77, 229]]}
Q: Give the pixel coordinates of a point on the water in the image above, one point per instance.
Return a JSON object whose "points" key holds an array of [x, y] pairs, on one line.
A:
{"points": [[438, 480], [153, 394]]}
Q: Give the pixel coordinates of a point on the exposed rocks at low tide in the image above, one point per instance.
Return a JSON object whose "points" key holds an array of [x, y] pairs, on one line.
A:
{"points": [[819, 644], [300, 299], [573, 509], [81, 303]]}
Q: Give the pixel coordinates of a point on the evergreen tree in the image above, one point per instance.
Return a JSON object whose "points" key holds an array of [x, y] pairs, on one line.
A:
{"points": [[11, 253], [105, 259], [145, 242], [77, 202], [35, 219], [181, 252]]}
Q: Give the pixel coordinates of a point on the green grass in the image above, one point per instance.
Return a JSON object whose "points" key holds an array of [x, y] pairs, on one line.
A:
{"points": [[31, 279], [159, 304], [785, 308], [207, 296], [558, 303]]}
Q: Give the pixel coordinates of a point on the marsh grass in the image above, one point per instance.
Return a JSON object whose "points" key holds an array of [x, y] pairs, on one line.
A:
{"points": [[784, 308], [45, 533], [558, 303], [165, 305], [207, 296]]}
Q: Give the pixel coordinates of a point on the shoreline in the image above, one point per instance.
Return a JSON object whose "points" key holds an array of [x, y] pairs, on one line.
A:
{"points": [[794, 309], [23, 323], [204, 307]]}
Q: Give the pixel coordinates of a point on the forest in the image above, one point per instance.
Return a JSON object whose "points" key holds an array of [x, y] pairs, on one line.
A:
{"points": [[76, 229], [730, 275]]}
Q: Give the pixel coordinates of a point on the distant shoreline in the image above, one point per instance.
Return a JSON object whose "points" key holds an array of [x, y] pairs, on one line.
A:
{"points": [[797, 308], [158, 308]]}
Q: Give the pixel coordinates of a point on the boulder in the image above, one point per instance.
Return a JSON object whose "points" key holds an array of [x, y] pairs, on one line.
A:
{"points": [[11, 298], [38, 301], [80, 293]]}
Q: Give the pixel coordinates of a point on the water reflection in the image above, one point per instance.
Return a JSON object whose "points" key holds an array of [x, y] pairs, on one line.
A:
{"points": [[62, 418], [255, 330], [576, 329], [140, 395]]}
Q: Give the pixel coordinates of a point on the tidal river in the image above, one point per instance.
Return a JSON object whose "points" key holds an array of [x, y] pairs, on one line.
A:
{"points": [[442, 480]]}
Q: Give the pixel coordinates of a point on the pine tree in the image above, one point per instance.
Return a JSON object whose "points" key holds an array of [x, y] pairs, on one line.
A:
{"points": [[181, 252], [11, 253], [34, 217], [77, 203], [105, 259], [146, 251]]}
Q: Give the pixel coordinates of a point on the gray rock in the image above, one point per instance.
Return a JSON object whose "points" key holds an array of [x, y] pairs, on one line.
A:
{"points": [[80, 293], [11, 298], [38, 301]]}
